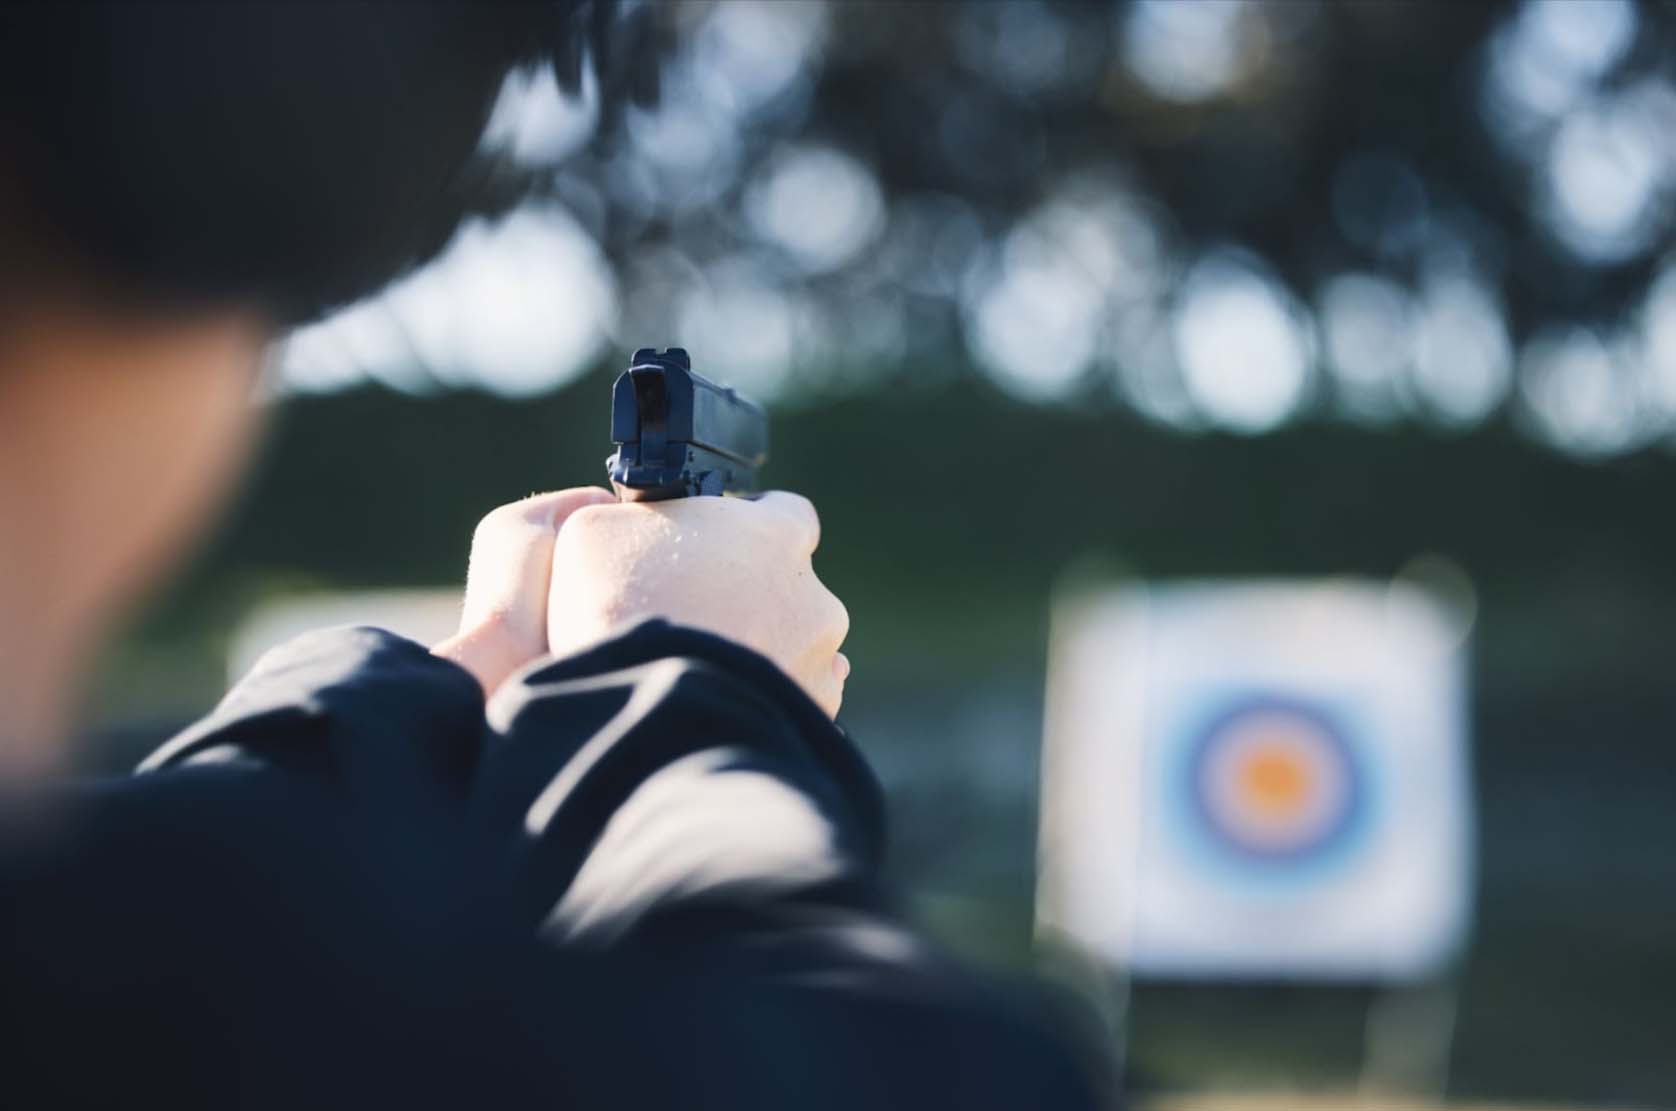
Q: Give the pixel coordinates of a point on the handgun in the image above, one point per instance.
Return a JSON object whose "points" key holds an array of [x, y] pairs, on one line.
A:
{"points": [[680, 435]]}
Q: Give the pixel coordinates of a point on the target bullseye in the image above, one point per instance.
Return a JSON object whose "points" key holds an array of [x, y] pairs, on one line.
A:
{"points": [[1275, 780]]}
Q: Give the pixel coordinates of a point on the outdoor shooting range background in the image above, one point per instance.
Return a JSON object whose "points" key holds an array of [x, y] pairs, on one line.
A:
{"points": [[1043, 292]]}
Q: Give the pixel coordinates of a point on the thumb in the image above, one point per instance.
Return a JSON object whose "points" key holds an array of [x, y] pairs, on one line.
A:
{"points": [[512, 557], [503, 623]]}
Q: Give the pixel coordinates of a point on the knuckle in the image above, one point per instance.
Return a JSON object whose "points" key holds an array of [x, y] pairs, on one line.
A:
{"points": [[538, 511], [587, 518], [493, 521], [801, 521], [804, 507], [788, 504], [837, 617]]}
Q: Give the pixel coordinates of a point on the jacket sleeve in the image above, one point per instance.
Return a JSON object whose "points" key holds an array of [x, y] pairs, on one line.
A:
{"points": [[675, 807], [657, 863], [268, 915], [369, 713]]}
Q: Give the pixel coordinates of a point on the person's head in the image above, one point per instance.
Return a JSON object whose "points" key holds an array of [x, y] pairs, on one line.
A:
{"points": [[178, 185]]}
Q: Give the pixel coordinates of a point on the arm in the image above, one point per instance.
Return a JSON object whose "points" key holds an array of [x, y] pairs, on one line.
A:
{"points": [[658, 864], [269, 908], [685, 816]]}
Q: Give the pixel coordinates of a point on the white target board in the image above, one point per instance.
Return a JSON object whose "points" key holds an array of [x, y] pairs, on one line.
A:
{"points": [[1262, 780]]}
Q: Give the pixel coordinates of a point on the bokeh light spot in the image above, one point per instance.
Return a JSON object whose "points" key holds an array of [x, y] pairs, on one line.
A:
{"points": [[1243, 348], [1186, 50], [751, 53], [1463, 359], [516, 307], [1579, 392], [1368, 337], [1608, 174], [1658, 339], [744, 325], [535, 123], [819, 204]]}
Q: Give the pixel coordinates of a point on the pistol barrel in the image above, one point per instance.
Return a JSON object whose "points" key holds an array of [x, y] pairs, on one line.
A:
{"points": [[678, 434]]}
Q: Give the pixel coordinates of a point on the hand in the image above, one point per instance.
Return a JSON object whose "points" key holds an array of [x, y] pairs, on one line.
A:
{"points": [[503, 625], [734, 567]]}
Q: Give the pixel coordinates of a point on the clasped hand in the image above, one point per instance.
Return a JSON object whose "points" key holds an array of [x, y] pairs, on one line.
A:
{"points": [[559, 572]]}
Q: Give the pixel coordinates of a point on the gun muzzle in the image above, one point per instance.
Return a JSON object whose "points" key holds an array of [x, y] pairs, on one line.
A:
{"points": [[679, 434]]}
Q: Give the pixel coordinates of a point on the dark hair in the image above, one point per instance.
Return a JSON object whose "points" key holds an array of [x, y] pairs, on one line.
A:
{"points": [[289, 156]]}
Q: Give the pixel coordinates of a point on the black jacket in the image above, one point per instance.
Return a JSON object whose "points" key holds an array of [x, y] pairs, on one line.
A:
{"points": [[645, 876]]}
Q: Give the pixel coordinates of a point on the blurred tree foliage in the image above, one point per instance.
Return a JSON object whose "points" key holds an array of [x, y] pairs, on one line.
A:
{"points": [[937, 101], [829, 194]]}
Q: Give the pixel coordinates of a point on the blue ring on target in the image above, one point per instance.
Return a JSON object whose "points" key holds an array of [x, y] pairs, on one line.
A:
{"points": [[1299, 733]]}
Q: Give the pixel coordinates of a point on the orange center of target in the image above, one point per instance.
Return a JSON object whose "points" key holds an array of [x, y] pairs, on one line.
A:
{"points": [[1274, 781]]}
